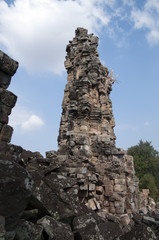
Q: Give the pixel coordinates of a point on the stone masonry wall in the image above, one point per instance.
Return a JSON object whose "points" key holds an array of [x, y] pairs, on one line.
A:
{"points": [[8, 68], [104, 175]]}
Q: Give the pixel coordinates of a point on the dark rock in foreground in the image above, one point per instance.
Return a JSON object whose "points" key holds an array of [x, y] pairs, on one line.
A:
{"points": [[15, 189]]}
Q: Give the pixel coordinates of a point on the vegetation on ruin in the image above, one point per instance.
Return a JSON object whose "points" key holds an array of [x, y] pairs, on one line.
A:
{"points": [[146, 161]]}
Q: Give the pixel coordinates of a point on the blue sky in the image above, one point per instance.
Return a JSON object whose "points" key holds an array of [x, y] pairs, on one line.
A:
{"points": [[35, 33]]}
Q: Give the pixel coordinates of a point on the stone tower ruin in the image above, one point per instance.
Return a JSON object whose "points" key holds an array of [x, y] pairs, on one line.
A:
{"points": [[87, 167], [87, 120], [104, 177]]}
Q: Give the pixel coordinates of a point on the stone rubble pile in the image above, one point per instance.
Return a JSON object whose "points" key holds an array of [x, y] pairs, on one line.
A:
{"points": [[47, 210], [88, 189]]}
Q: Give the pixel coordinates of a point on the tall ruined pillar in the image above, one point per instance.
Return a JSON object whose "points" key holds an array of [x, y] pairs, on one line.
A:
{"points": [[104, 175], [87, 120], [8, 68]]}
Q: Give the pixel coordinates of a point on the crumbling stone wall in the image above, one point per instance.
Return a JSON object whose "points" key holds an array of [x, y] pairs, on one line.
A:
{"points": [[8, 68], [145, 203], [105, 177]]}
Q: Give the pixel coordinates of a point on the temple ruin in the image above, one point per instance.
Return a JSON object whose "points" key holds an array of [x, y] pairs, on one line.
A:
{"points": [[46, 198], [98, 173], [105, 177]]}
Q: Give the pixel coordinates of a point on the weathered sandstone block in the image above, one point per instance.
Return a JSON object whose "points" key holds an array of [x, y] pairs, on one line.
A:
{"points": [[4, 80], [7, 64], [6, 133], [7, 98]]}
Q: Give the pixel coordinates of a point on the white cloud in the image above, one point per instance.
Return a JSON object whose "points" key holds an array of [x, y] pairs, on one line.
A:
{"points": [[35, 32], [25, 119], [128, 3], [18, 116], [148, 19], [126, 127], [146, 123], [33, 123]]}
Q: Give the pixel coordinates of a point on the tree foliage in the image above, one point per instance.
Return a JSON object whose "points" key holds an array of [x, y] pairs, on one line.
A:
{"points": [[146, 161]]}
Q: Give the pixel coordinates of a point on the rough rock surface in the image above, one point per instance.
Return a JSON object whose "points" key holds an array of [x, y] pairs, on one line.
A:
{"points": [[86, 227], [53, 198], [141, 232], [56, 230], [28, 230], [15, 190]]}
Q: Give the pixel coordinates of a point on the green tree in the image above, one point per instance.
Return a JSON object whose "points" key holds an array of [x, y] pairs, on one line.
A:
{"points": [[146, 162]]}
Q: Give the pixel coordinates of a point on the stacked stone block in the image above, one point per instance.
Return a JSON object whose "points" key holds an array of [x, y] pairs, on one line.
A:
{"points": [[8, 68], [87, 122], [105, 177]]}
